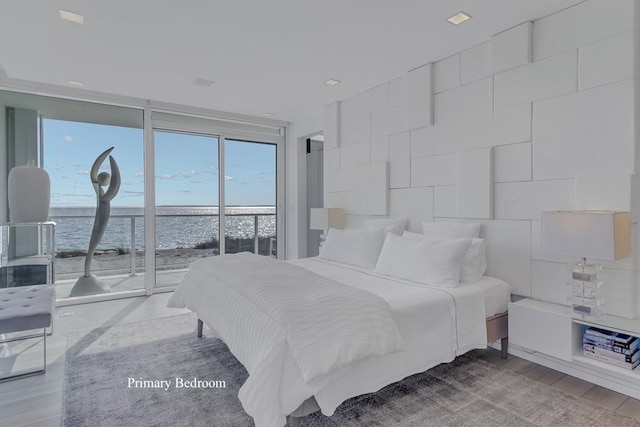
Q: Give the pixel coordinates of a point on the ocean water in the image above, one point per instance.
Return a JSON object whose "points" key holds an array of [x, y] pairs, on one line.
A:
{"points": [[176, 226]]}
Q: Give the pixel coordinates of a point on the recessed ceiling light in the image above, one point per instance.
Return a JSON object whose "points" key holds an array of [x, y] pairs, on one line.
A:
{"points": [[75, 83], [71, 17], [203, 82], [267, 114], [332, 82], [459, 18]]}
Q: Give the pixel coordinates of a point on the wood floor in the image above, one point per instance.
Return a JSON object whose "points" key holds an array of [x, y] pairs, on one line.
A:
{"points": [[37, 400]]}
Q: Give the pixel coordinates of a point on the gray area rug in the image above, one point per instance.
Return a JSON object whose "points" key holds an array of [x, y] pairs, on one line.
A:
{"points": [[102, 365]]}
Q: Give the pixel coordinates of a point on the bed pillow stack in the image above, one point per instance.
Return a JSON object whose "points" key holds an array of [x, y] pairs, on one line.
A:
{"points": [[359, 247], [475, 260], [430, 262], [391, 225], [435, 258]]}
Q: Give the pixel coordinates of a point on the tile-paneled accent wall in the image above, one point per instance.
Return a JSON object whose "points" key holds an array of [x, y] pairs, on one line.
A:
{"points": [[540, 117]]}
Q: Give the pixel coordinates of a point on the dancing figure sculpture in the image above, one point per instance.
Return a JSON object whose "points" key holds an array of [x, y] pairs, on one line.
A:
{"points": [[90, 284]]}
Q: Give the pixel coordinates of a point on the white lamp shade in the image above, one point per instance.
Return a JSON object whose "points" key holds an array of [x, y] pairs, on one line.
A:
{"points": [[586, 234], [325, 218]]}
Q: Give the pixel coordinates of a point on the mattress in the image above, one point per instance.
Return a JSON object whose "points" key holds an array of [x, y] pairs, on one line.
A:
{"points": [[496, 293], [420, 313], [436, 325]]}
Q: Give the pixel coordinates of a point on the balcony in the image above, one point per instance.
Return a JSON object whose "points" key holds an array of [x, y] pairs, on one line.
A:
{"points": [[183, 235]]}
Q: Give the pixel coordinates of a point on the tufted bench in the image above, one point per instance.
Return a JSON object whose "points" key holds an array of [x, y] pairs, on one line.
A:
{"points": [[25, 308]]}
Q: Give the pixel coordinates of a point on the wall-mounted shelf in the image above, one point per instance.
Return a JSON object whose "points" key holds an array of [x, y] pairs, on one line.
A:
{"points": [[550, 335]]}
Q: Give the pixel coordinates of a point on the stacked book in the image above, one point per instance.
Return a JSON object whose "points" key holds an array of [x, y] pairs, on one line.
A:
{"points": [[611, 347]]}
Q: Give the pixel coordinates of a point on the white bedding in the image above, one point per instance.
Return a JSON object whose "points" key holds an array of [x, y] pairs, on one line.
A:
{"points": [[435, 324]]}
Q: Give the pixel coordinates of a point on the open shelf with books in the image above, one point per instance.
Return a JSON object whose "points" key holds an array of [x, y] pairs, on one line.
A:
{"points": [[552, 335], [606, 347]]}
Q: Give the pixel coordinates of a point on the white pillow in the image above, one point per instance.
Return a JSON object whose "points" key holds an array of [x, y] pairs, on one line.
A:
{"points": [[391, 225], [430, 262], [451, 230], [359, 247], [475, 260]]}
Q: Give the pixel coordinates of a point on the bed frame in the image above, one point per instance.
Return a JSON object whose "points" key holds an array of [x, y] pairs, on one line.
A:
{"points": [[497, 329]]}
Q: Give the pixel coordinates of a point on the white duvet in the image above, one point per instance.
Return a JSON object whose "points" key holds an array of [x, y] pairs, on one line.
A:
{"points": [[435, 324], [264, 309]]}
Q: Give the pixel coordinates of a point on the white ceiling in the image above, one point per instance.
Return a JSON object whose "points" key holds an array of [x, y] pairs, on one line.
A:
{"points": [[264, 55]]}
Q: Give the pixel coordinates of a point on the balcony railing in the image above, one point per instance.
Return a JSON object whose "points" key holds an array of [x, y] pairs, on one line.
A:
{"points": [[116, 234]]}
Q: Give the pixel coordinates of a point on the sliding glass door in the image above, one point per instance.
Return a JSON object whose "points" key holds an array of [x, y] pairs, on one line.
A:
{"points": [[186, 188], [250, 197], [213, 195]]}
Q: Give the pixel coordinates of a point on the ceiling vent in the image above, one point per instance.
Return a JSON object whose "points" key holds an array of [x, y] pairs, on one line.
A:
{"points": [[203, 82]]}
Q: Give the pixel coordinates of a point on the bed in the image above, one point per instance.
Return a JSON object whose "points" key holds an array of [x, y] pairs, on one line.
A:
{"points": [[410, 329]]}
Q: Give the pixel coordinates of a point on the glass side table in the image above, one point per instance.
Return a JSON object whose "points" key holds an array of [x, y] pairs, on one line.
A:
{"points": [[27, 254]]}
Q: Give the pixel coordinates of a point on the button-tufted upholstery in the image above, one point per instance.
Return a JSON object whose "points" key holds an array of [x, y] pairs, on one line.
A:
{"points": [[26, 307]]}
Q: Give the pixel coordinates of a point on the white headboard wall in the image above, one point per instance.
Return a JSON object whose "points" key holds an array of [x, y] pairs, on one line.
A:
{"points": [[540, 117]]}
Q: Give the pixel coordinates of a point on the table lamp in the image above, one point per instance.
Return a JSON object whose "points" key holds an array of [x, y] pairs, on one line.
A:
{"points": [[601, 235]]}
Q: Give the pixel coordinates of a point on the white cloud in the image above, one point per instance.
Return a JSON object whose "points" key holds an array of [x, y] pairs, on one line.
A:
{"points": [[138, 174], [68, 139], [228, 178], [83, 172], [166, 176]]}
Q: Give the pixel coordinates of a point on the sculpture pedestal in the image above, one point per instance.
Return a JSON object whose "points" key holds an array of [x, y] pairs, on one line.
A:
{"points": [[89, 285]]}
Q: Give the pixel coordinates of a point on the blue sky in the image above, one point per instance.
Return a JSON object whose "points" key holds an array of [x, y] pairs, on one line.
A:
{"points": [[186, 166]]}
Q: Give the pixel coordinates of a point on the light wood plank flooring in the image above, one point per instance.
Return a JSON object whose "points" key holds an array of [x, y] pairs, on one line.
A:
{"points": [[37, 400]]}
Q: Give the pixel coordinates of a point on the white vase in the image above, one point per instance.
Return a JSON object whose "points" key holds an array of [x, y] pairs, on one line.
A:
{"points": [[29, 194]]}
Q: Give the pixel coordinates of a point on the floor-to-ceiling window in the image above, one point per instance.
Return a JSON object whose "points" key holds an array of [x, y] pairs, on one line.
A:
{"points": [[187, 219], [215, 192], [71, 149], [66, 137], [250, 197], [189, 186]]}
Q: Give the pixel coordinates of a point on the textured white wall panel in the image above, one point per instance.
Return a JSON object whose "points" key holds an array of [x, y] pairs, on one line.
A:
{"points": [[603, 192], [476, 63], [445, 201], [331, 158], [512, 124], [446, 73], [587, 133], [420, 97], [332, 125], [355, 119], [389, 122], [464, 117], [400, 160], [548, 78], [434, 170], [475, 188], [512, 162], [549, 282], [606, 62], [380, 150], [527, 200], [398, 91], [422, 142], [371, 189], [512, 48], [342, 200], [413, 203], [340, 180], [581, 25], [619, 292], [355, 154], [380, 98], [509, 252]]}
